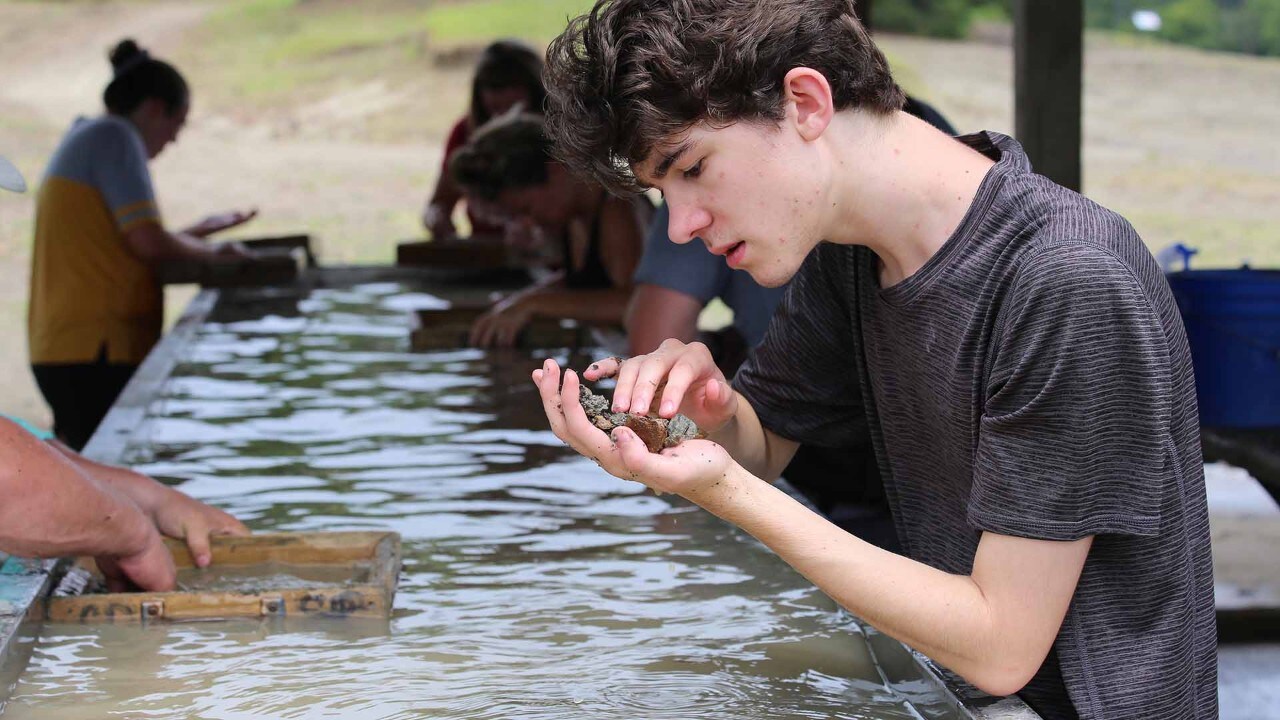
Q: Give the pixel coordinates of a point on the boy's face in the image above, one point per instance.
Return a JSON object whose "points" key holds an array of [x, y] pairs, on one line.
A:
{"points": [[751, 191]]}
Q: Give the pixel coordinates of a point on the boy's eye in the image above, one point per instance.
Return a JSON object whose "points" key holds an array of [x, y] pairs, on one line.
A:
{"points": [[694, 171]]}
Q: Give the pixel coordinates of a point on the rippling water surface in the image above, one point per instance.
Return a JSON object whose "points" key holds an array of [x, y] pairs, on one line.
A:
{"points": [[534, 585]]}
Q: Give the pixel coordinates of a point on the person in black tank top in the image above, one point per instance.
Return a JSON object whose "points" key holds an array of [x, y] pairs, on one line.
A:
{"points": [[508, 165]]}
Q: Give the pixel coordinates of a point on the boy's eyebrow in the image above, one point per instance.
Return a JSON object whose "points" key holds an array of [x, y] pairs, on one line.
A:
{"points": [[669, 159]]}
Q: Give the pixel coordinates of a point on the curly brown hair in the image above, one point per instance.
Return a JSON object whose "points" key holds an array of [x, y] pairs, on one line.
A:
{"points": [[509, 152], [632, 75]]}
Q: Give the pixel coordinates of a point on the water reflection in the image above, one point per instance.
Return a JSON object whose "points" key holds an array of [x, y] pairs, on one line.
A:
{"points": [[534, 586]]}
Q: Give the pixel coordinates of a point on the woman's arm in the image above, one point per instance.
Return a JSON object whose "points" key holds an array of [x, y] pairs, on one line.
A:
{"points": [[152, 244], [621, 240]]}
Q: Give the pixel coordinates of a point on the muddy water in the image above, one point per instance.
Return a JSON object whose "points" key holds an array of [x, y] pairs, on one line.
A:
{"points": [[534, 586]]}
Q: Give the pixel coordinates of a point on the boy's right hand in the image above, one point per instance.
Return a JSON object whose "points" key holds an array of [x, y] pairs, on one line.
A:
{"points": [[675, 378]]}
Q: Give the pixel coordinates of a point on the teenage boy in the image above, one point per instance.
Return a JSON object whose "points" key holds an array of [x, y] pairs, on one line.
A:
{"points": [[1013, 348]]}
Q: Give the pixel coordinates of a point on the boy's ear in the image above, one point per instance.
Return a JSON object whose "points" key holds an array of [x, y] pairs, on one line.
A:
{"points": [[808, 91]]}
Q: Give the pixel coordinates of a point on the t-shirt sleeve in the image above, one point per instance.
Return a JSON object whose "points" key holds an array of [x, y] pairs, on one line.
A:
{"points": [[458, 137], [801, 380], [687, 268], [1075, 438], [120, 173]]}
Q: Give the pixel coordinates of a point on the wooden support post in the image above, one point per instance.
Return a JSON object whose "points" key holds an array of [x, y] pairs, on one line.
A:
{"points": [[1048, 62]]}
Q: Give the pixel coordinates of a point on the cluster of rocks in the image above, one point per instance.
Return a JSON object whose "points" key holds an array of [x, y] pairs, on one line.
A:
{"points": [[657, 433]]}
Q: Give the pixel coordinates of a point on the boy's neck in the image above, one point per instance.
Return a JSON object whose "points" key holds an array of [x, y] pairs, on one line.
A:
{"points": [[910, 188]]}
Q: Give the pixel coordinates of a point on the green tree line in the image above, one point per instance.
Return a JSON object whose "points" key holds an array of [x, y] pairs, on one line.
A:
{"points": [[1244, 26]]}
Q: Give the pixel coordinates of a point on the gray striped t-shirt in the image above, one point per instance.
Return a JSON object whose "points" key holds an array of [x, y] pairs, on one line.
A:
{"points": [[1032, 379]]}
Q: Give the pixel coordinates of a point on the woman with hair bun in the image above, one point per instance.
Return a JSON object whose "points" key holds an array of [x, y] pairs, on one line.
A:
{"points": [[95, 307]]}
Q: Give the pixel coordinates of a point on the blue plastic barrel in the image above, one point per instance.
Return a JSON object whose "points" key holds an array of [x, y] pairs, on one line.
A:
{"points": [[1233, 325]]}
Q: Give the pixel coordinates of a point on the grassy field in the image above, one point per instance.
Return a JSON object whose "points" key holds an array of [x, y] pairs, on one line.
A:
{"points": [[329, 116]]}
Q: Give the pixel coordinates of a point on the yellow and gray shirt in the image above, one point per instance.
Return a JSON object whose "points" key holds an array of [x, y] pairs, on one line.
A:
{"points": [[89, 293]]}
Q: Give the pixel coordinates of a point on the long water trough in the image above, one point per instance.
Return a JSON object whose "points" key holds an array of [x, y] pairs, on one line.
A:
{"points": [[534, 585]]}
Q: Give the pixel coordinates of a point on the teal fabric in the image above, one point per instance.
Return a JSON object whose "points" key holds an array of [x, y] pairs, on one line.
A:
{"points": [[42, 434]]}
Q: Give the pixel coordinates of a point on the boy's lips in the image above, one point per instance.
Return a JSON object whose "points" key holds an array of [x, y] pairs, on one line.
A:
{"points": [[734, 254]]}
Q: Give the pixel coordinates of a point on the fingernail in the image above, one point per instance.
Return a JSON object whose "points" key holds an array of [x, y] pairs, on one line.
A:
{"points": [[203, 561], [667, 408], [546, 364]]}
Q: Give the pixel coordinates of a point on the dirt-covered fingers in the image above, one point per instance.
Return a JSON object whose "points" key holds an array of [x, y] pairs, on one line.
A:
{"points": [[580, 433], [547, 378], [601, 369], [662, 387]]}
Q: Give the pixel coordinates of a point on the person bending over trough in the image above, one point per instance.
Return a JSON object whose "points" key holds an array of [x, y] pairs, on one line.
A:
{"points": [[96, 309], [508, 165], [1013, 347]]}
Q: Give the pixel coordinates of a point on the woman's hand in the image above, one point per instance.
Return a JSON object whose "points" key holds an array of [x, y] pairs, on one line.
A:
{"points": [[675, 378], [231, 250], [687, 469], [221, 221], [501, 326], [436, 219]]}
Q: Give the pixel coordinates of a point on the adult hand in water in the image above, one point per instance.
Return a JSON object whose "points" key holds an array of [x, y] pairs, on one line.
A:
{"points": [[182, 517], [675, 378], [221, 221], [142, 562], [689, 469]]}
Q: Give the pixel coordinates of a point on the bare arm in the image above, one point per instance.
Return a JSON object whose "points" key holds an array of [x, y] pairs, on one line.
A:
{"points": [[219, 222], [437, 216], [655, 313], [620, 246], [621, 241], [152, 244], [51, 509], [993, 626], [174, 513]]}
